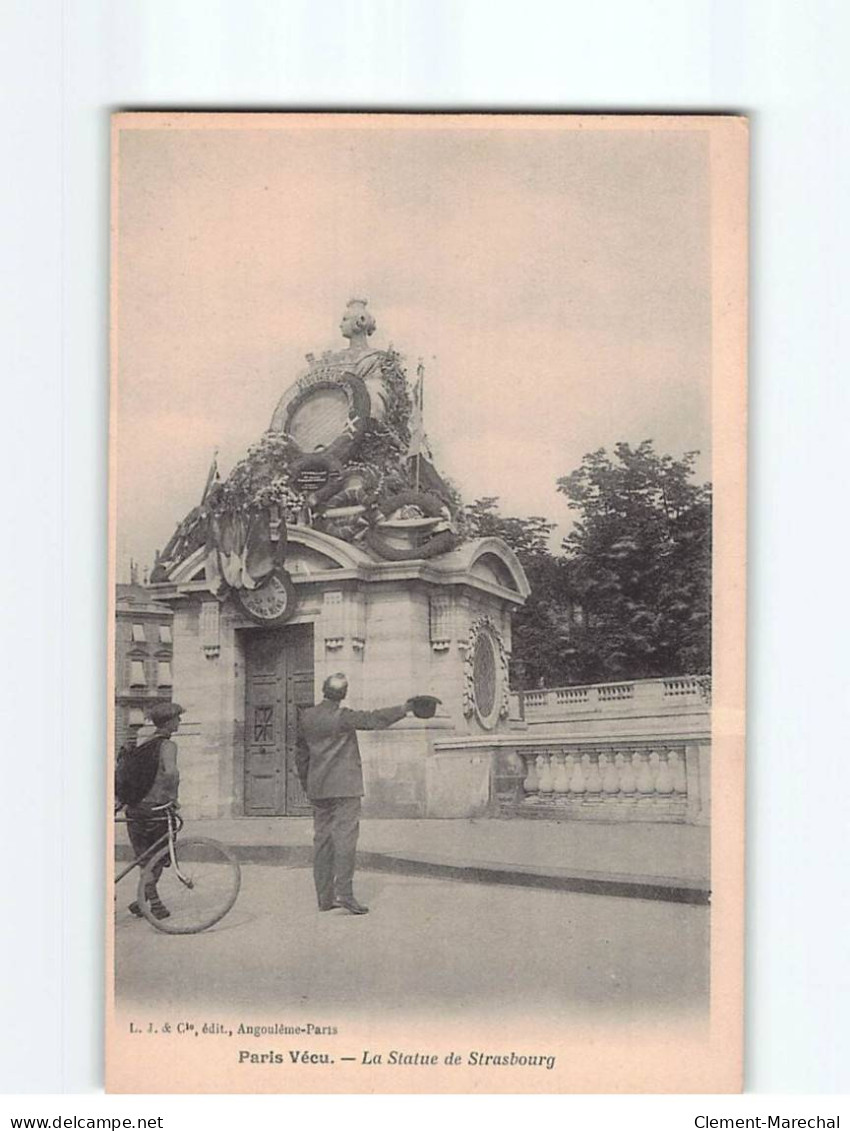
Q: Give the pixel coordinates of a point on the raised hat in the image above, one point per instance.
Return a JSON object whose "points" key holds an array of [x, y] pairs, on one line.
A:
{"points": [[164, 712], [425, 706]]}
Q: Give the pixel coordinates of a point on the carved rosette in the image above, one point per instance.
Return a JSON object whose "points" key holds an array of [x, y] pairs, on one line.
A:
{"points": [[485, 674]]}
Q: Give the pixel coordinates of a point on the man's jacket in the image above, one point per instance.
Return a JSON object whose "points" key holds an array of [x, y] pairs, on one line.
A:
{"points": [[328, 756]]}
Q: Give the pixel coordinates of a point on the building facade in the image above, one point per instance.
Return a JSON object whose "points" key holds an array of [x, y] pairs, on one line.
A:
{"points": [[438, 627], [144, 658], [335, 545]]}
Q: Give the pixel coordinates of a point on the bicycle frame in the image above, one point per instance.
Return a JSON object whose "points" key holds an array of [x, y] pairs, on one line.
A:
{"points": [[175, 824]]}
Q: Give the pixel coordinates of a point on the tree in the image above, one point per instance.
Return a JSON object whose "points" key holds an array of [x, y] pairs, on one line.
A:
{"points": [[542, 647], [640, 556]]}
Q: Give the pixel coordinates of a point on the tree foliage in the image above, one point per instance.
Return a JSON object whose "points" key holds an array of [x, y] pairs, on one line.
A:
{"points": [[629, 595], [640, 555]]}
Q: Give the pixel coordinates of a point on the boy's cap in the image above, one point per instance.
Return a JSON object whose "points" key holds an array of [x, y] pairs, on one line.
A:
{"points": [[164, 712]]}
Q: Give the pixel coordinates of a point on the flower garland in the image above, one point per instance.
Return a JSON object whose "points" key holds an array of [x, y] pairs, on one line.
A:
{"points": [[387, 442]]}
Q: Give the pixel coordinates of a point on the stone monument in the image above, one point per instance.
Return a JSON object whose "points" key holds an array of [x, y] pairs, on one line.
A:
{"points": [[335, 545]]}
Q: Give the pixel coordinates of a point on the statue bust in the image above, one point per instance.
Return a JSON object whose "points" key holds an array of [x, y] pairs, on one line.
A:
{"points": [[357, 324], [358, 360]]}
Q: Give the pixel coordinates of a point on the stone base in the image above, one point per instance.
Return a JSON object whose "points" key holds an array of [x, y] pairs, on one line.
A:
{"points": [[458, 784], [394, 772], [667, 810], [404, 777]]}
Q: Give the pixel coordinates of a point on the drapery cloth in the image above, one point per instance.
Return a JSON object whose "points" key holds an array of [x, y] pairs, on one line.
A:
{"points": [[240, 550]]}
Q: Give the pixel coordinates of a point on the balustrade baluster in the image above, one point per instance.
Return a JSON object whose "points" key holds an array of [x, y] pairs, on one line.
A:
{"points": [[677, 770], [530, 782], [577, 783], [645, 784], [628, 781], [610, 780], [593, 781], [544, 772], [664, 779], [560, 780]]}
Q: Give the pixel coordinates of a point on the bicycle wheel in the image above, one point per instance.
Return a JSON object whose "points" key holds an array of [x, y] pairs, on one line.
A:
{"points": [[197, 893]]}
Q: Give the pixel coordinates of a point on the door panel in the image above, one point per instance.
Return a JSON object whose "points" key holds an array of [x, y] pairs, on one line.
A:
{"points": [[264, 716], [299, 694], [279, 680]]}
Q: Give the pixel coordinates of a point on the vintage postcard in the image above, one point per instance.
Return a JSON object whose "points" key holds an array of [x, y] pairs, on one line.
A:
{"points": [[427, 603]]}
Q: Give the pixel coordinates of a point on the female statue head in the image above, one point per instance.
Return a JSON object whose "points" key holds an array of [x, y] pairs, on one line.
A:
{"points": [[357, 323]]}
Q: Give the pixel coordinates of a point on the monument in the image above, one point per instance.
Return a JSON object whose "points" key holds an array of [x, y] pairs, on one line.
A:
{"points": [[336, 545]]}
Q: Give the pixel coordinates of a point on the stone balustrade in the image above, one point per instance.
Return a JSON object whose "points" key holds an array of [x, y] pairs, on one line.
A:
{"points": [[636, 750], [664, 778], [631, 781], [631, 696]]}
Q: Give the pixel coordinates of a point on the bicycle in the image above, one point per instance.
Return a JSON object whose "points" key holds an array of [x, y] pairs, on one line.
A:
{"points": [[198, 879]]}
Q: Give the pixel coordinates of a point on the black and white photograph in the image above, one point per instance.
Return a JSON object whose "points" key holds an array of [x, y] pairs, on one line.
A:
{"points": [[427, 627]]}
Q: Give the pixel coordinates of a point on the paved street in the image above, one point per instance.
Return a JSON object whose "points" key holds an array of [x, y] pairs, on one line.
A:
{"points": [[427, 943]]}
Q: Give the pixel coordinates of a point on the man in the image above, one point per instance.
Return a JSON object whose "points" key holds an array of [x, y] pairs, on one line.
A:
{"points": [[146, 821], [328, 763]]}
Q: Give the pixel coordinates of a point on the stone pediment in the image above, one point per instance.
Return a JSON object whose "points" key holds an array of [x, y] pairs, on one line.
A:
{"points": [[489, 560]]}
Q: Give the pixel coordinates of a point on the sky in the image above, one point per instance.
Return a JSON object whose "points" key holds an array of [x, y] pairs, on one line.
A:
{"points": [[555, 282]]}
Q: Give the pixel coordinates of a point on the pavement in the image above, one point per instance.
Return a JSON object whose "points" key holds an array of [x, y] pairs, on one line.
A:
{"points": [[429, 946], [665, 862]]}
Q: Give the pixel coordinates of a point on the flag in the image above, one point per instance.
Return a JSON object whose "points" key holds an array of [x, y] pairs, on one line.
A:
{"points": [[212, 477], [417, 418], [212, 560]]}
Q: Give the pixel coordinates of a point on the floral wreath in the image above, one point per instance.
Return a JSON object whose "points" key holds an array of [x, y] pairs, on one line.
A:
{"points": [[359, 413], [429, 505]]}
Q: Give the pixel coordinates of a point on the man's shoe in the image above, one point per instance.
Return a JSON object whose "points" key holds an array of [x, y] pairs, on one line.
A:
{"points": [[159, 910], [135, 910], [351, 905], [327, 906]]}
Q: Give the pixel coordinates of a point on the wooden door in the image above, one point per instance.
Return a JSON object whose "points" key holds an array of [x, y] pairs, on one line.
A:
{"points": [[279, 678], [299, 693]]}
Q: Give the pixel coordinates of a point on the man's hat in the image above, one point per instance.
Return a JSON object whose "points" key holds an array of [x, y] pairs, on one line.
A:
{"points": [[424, 706], [162, 713]]}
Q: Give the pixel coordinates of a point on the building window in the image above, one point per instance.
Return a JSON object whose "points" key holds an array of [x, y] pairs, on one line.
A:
{"points": [[137, 673], [135, 717], [139, 634], [165, 634], [164, 673]]}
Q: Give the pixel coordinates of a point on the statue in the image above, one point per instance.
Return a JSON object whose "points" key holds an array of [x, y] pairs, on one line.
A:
{"points": [[357, 324], [358, 360]]}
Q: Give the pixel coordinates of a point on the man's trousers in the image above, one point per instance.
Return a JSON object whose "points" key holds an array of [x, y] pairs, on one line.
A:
{"points": [[145, 831], [336, 824]]}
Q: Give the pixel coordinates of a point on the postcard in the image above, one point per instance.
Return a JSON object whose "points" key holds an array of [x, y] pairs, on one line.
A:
{"points": [[427, 603]]}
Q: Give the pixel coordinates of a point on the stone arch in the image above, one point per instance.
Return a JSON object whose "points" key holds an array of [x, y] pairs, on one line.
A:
{"points": [[323, 552], [338, 554]]}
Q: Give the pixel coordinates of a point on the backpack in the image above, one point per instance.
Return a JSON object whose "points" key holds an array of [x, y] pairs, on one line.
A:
{"points": [[135, 771]]}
